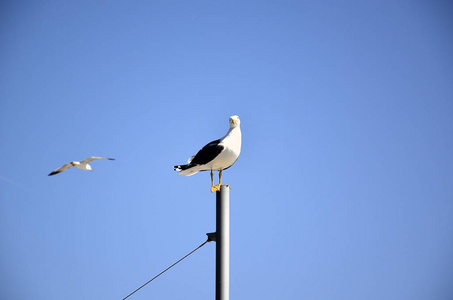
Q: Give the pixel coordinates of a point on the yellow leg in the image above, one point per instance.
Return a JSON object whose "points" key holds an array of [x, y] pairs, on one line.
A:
{"points": [[217, 186], [220, 180], [214, 187]]}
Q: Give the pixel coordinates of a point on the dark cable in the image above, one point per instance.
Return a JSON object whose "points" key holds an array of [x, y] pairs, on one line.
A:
{"points": [[167, 269]]}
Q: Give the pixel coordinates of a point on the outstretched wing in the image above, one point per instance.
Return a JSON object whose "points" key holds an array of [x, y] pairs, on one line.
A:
{"points": [[207, 153], [89, 159], [61, 169]]}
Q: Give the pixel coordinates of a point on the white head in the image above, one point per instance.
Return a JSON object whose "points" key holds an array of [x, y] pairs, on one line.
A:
{"points": [[234, 121]]}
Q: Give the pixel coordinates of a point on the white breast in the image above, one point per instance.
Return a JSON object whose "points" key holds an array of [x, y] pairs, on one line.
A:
{"points": [[232, 144]]}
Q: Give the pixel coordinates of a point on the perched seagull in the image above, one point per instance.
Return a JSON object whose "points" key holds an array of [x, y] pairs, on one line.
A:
{"points": [[82, 165], [218, 155]]}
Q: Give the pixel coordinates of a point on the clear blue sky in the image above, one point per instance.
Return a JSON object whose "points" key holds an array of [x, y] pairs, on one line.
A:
{"points": [[344, 187]]}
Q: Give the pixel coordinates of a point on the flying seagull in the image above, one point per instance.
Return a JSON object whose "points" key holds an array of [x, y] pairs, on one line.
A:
{"points": [[218, 155], [82, 165]]}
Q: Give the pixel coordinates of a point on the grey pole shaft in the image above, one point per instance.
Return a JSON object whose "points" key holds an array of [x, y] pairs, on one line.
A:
{"points": [[222, 289]]}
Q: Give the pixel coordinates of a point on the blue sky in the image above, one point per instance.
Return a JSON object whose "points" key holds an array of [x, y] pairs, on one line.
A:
{"points": [[343, 189]]}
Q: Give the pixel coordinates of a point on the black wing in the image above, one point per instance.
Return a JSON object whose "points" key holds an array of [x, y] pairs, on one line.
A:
{"points": [[207, 153]]}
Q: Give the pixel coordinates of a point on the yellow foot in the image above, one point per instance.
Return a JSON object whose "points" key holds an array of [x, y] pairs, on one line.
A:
{"points": [[215, 188]]}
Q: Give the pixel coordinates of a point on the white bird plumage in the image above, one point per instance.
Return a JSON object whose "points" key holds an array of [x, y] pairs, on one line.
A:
{"points": [[218, 155], [82, 165]]}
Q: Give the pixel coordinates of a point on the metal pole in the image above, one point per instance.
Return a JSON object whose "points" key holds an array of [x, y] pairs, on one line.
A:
{"points": [[222, 286]]}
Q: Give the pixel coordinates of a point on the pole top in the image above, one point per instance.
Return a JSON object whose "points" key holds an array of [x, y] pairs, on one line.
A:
{"points": [[224, 186]]}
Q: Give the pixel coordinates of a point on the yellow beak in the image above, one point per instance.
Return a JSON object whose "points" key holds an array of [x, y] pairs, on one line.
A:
{"points": [[234, 121]]}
